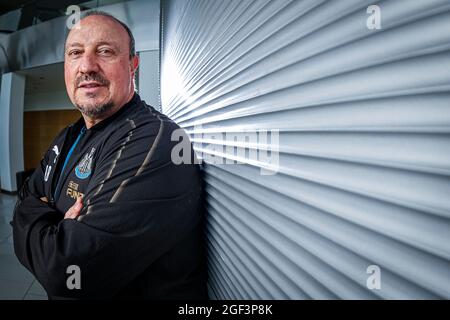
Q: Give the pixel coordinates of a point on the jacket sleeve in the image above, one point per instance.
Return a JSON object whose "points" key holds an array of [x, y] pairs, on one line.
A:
{"points": [[34, 184], [138, 205]]}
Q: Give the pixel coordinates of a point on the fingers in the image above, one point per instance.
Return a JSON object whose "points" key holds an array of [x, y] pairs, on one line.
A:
{"points": [[75, 210], [44, 199]]}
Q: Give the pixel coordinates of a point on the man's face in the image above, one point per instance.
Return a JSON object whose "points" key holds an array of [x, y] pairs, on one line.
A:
{"points": [[97, 68]]}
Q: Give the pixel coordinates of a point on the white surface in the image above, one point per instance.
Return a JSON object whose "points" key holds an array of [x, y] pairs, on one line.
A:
{"points": [[11, 129]]}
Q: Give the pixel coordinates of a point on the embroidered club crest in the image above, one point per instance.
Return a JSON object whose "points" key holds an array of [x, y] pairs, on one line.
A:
{"points": [[84, 167]]}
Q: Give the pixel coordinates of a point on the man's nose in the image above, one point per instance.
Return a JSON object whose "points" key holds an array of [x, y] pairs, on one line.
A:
{"points": [[88, 63]]}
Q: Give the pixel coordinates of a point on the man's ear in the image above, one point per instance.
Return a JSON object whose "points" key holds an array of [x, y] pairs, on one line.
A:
{"points": [[134, 63]]}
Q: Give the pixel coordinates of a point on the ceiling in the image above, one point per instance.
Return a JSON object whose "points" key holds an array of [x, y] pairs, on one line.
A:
{"points": [[35, 11], [51, 5], [9, 5]]}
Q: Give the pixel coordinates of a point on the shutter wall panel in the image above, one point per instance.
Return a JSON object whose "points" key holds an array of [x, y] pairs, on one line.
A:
{"points": [[364, 142]]}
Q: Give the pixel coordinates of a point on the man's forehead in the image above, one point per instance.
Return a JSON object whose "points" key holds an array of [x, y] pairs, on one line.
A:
{"points": [[94, 29], [96, 42]]}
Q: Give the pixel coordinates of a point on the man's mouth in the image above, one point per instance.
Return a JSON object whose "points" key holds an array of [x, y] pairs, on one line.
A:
{"points": [[89, 85]]}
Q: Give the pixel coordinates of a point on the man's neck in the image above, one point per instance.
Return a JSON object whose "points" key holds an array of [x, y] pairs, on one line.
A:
{"points": [[90, 122]]}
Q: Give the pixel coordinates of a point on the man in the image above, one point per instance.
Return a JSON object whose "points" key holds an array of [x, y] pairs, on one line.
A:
{"points": [[107, 204]]}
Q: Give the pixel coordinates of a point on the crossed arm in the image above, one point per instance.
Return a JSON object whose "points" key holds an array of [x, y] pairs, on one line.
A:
{"points": [[74, 211]]}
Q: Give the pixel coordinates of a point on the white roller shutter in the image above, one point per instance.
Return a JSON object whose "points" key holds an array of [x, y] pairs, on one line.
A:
{"points": [[364, 142]]}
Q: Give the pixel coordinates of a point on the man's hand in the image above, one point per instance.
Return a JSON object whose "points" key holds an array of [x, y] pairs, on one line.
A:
{"points": [[44, 199], [75, 210]]}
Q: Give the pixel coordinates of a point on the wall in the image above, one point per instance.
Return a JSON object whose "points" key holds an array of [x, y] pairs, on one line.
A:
{"points": [[53, 100], [148, 77], [11, 129], [357, 206], [40, 128]]}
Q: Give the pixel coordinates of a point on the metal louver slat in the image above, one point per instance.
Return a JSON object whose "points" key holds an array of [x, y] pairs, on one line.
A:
{"points": [[363, 117]]}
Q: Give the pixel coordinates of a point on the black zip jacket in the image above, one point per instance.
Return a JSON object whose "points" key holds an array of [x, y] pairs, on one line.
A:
{"points": [[139, 234]]}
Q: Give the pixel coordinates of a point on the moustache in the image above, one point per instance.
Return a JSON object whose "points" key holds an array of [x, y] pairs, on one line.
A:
{"points": [[92, 77]]}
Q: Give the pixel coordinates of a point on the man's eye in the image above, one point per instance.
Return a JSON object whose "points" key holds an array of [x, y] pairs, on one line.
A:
{"points": [[105, 51], [74, 53]]}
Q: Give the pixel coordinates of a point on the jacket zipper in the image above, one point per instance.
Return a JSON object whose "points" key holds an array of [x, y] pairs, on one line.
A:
{"points": [[52, 199]]}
